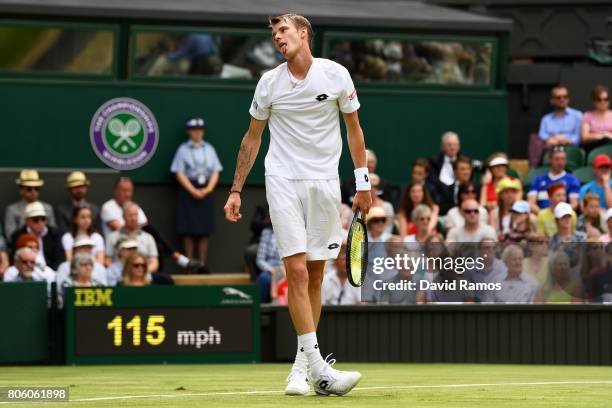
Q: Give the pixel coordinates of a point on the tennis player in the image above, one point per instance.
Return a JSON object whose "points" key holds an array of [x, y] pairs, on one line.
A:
{"points": [[300, 100]]}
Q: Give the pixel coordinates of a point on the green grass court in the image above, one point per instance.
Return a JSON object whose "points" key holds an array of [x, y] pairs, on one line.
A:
{"points": [[261, 385]]}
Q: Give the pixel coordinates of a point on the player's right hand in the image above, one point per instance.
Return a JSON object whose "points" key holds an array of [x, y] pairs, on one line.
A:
{"points": [[232, 208]]}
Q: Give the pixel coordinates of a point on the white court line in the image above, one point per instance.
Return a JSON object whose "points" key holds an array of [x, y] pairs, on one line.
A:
{"points": [[389, 387]]}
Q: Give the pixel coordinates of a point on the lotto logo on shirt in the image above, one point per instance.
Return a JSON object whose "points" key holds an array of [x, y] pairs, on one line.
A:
{"points": [[124, 133]]}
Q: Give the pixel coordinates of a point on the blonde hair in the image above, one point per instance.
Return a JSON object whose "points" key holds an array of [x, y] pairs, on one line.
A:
{"points": [[297, 20]]}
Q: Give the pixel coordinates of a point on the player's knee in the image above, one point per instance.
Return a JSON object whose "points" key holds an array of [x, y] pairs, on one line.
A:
{"points": [[298, 276]]}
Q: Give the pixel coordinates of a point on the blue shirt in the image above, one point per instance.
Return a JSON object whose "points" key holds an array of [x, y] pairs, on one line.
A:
{"points": [[594, 188], [195, 160], [193, 46], [568, 124], [541, 183]]}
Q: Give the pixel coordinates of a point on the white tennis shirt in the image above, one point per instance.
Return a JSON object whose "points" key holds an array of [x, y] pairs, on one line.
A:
{"points": [[303, 117]]}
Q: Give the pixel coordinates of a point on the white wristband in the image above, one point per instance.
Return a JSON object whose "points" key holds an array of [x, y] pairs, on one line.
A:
{"points": [[362, 179]]}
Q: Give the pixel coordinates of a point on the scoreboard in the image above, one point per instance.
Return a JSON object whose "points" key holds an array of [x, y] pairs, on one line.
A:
{"points": [[162, 324]]}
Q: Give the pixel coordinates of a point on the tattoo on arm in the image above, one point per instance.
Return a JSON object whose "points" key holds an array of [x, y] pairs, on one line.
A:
{"points": [[246, 158]]}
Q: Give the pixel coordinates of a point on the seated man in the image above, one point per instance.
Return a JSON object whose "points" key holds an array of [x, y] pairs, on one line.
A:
{"points": [[449, 194], [472, 230], [562, 125], [494, 270], [133, 230], [82, 245], [538, 192], [566, 227], [49, 238], [25, 269], [29, 184], [77, 185], [336, 289], [517, 286], [602, 185], [441, 166]]}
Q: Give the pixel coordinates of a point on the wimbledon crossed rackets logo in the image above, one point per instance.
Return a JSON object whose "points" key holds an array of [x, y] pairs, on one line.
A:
{"points": [[124, 133]]}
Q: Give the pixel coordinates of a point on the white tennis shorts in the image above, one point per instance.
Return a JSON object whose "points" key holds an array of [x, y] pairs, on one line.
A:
{"points": [[305, 216]]}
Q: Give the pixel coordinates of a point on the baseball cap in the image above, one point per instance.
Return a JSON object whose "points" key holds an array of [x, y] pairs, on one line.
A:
{"points": [[195, 123], [35, 209], [520, 207], [563, 209], [83, 240], [76, 179], [376, 212], [507, 183], [602, 160], [29, 178]]}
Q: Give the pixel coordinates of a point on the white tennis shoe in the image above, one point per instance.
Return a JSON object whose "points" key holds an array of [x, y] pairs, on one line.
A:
{"points": [[297, 382], [332, 381]]}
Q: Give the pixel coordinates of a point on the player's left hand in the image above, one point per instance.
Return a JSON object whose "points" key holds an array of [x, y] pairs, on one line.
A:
{"points": [[363, 201]]}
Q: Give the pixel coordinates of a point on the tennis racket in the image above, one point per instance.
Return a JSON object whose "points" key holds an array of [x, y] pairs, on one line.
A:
{"points": [[357, 250]]}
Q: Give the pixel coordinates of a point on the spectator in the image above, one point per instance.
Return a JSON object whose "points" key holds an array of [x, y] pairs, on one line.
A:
{"points": [[493, 270], [602, 185], [83, 245], [30, 241], [517, 286], [376, 221], [4, 260], [398, 276], [133, 230], [597, 124], [606, 238], [545, 221], [347, 187], [419, 172], [202, 52], [454, 217], [125, 247], [472, 230], [379, 202], [260, 221], [25, 269], [415, 194], [520, 223], [507, 192], [592, 221], [497, 171], [77, 184], [197, 167], [592, 260], [81, 274], [442, 164], [421, 218], [560, 287], [566, 230], [562, 125], [336, 289], [135, 271], [82, 225], [112, 210], [449, 194], [538, 197], [269, 263], [48, 237], [535, 263], [600, 282], [29, 185]]}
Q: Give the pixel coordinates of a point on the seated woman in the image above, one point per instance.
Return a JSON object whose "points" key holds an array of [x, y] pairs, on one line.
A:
{"points": [[561, 286], [135, 271], [497, 170], [82, 225], [592, 220], [597, 124], [508, 191], [415, 194], [377, 201], [520, 223], [421, 217]]}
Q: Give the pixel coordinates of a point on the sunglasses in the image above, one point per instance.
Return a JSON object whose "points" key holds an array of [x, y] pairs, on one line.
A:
{"points": [[38, 219], [139, 265], [377, 220], [28, 189], [606, 99], [470, 210], [561, 97]]}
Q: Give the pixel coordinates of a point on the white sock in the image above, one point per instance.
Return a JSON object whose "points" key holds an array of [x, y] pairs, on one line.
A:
{"points": [[311, 349], [301, 361], [182, 261]]}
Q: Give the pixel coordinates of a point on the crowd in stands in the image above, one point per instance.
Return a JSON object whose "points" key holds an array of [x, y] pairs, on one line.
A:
{"points": [[544, 241], [77, 243]]}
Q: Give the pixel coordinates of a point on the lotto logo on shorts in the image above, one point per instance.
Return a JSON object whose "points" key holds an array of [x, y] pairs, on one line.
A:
{"points": [[124, 133]]}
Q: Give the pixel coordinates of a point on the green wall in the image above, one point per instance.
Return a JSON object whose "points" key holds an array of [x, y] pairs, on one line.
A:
{"points": [[46, 123]]}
